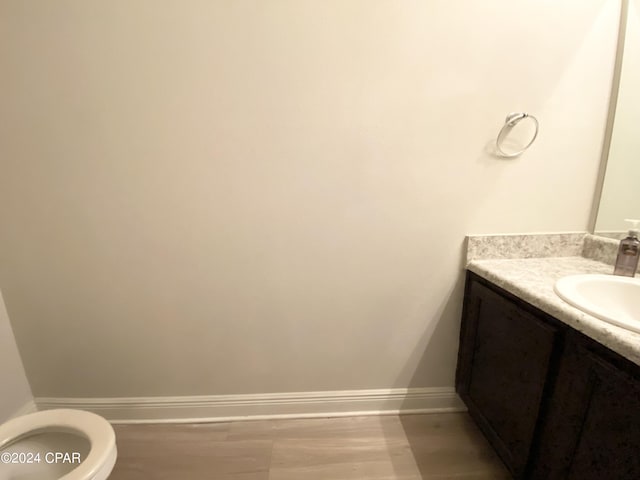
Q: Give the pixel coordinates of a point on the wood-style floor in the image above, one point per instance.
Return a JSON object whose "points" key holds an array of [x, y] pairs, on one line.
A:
{"points": [[408, 447]]}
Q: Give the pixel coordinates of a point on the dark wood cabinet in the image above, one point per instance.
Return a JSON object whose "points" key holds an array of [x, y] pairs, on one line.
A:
{"points": [[503, 369], [552, 402], [592, 428]]}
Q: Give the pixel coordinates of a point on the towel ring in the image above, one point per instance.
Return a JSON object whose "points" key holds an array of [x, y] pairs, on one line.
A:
{"points": [[511, 121]]}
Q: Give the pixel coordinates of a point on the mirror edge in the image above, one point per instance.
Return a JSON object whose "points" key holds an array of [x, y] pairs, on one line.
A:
{"points": [[613, 103]]}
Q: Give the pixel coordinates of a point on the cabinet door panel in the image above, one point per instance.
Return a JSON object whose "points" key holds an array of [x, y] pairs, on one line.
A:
{"points": [[592, 430], [505, 383], [609, 442]]}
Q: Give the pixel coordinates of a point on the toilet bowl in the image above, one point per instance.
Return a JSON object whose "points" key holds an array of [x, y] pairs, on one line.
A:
{"points": [[57, 444]]}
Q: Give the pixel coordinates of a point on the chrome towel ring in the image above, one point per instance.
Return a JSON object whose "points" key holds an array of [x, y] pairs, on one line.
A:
{"points": [[511, 121]]}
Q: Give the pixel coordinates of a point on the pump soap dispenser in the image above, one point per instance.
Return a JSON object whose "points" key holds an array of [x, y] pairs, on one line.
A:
{"points": [[628, 252]]}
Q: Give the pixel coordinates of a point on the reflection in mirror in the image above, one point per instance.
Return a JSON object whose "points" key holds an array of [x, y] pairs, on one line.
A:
{"points": [[620, 197]]}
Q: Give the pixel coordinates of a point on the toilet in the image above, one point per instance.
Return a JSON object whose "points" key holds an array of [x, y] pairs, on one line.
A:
{"points": [[60, 444]]}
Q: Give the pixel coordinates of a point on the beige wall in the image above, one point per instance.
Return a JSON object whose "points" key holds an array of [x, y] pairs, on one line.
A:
{"points": [[620, 193], [211, 197], [16, 393]]}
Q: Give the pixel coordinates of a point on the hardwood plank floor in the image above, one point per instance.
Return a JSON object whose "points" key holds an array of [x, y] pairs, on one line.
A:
{"points": [[407, 447]]}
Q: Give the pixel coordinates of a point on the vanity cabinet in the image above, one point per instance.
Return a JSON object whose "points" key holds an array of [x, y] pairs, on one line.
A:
{"points": [[592, 428], [506, 353], [553, 403]]}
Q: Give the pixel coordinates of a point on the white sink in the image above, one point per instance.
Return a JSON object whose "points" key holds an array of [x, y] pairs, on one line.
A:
{"points": [[611, 298]]}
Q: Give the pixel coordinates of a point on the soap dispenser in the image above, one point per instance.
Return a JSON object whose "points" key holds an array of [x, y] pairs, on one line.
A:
{"points": [[628, 252]]}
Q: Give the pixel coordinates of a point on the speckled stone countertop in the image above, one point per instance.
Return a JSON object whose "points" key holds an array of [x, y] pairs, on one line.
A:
{"points": [[532, 280]]}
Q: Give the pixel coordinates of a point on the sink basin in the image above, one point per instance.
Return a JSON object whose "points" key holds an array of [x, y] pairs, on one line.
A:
{"points": [[610, 298]]}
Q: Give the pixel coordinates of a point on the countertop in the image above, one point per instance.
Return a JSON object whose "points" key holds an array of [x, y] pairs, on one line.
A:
{"points": [[532, 280]]}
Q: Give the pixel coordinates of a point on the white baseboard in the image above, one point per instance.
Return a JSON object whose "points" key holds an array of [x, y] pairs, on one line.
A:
{"points": [[218, 408]]}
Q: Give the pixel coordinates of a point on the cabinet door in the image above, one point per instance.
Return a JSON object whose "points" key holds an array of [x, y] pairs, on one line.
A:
{"points": [[505, 355], [592, 431]]}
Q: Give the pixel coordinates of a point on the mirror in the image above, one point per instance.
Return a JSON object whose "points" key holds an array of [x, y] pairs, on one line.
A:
{"points": [[620, 196]]}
